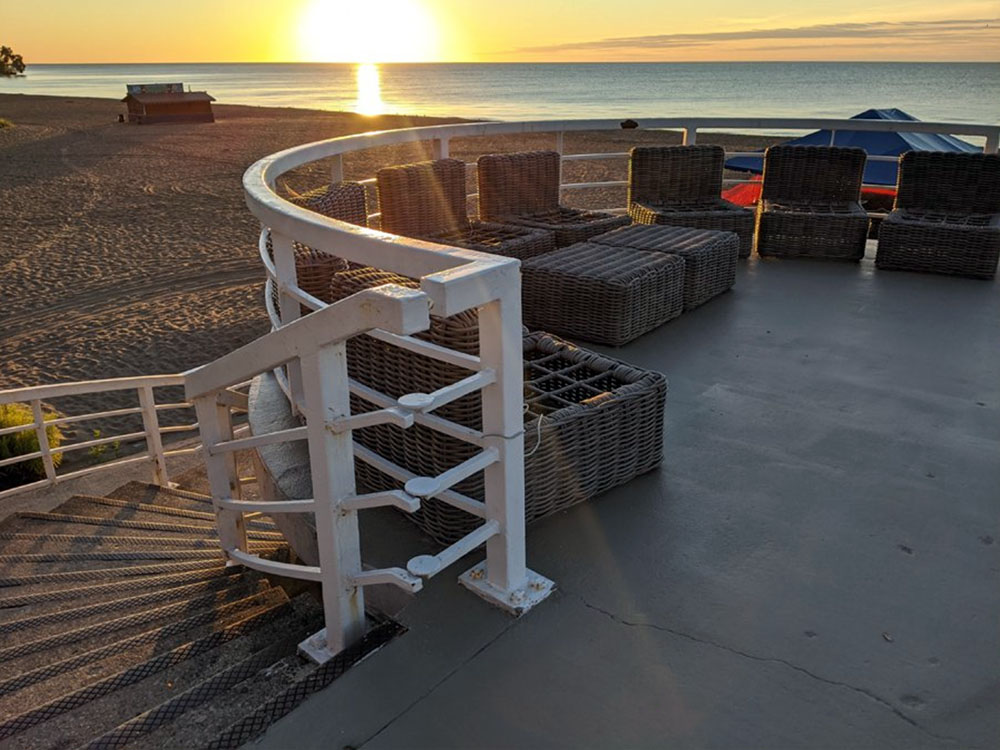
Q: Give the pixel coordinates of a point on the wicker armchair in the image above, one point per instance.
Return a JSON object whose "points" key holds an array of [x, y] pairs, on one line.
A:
{"points": [[427, 201], [523, 189], [314, 269], [681, 186], [946, 218], [810, 203]]}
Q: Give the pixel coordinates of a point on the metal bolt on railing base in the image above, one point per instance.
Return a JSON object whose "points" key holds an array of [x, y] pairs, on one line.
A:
{"points": [[535, 590]]}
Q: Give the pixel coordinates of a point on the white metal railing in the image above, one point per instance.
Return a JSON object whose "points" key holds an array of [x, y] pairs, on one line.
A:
{"points": [[152, 433], [453, 280]]}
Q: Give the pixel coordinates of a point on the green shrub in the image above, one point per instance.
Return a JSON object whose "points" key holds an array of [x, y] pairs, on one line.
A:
{"points": [[20, 443]]}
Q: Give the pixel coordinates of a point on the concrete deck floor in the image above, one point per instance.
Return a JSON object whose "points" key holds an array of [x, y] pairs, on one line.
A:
{"points": [[815, 565]]}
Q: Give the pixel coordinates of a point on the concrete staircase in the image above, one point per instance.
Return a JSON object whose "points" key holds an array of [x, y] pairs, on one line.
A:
{"points": [[121, 626]]}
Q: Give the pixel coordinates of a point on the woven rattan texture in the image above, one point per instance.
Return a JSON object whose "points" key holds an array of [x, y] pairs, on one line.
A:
{"points": [[710, 257], [810, 205], [428, 201], [608, 295], [591, 422], [946, 217], [523, 189]]}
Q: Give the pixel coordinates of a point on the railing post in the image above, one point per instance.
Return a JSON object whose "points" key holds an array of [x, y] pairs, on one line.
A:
{"points": [[992, 142], [690, 135], [560, 147], [336, 169], [331, 459], [154, 442], [43, 440], [504, 579], [288, 306], [439, 148], [216, 426]]}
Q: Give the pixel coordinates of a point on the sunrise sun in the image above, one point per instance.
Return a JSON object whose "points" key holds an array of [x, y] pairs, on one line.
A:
{"points": [[375, 31]]}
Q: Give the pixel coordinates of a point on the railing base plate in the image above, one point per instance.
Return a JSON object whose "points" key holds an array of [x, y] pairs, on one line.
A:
{"points": [[536, 589], [314, 648]]}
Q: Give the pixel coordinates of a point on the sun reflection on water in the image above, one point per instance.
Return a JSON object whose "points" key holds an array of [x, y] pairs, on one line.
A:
{"points": [[369, 90]]}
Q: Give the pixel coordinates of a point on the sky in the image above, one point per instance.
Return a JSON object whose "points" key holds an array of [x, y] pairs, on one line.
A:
{"points": [[70, 31]]}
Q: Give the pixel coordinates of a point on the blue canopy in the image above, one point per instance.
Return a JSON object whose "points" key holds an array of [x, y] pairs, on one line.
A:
{"points": [[874, 143]]}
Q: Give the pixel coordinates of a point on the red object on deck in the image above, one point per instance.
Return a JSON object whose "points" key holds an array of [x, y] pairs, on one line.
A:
{"points": [[748, 193]]}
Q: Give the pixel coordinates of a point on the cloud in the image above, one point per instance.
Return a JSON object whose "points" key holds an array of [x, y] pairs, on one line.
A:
{"points": [[898, 31]]}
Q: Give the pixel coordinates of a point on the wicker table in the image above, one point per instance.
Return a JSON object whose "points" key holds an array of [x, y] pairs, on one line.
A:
{"points": [[600, 293], [710, 256]]}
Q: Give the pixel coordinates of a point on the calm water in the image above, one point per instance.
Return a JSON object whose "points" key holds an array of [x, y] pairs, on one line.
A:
{"points": [[966, 92]]}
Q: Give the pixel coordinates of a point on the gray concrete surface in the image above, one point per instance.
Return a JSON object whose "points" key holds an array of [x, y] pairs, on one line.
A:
{"points": [[814, 566]]}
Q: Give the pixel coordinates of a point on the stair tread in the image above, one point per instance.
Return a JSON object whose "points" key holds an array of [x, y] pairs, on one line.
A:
{"points": [[102, 705], [152, 494]]}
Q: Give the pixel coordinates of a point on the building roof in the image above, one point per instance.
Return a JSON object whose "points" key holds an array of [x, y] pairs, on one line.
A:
{"points": [[183, 96]]}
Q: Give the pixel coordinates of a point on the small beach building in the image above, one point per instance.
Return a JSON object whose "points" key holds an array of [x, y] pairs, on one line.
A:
{"points": [[152, 103]]}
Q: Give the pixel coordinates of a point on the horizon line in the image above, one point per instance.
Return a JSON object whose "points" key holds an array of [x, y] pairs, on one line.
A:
{"points": [[526, 62]]}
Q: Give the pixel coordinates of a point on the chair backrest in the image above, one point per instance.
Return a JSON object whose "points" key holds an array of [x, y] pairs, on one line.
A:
{"points": [[518, 184], [949, 182], [675, 174], [344, 201], [423, 199], [820, 174]]}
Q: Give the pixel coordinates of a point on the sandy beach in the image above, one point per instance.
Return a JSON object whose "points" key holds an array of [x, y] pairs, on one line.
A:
{"points": [[129, 250]]}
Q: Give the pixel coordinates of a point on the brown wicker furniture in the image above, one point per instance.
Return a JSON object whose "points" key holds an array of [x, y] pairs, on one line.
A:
{"points": [[427, 201], [681, 186], [809, 204], [710, 257], [946, 218], [600, 293], [523, 189]]}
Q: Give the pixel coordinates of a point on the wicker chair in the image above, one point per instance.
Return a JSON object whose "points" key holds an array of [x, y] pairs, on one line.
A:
{"points": [[810, 203], [681, 186], [427, 201], [314, 269], [946, 218], [523, 189], [577, 403]]}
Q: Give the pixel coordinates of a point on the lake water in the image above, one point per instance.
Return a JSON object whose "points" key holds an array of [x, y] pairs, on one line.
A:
{"points": [[962, 92]]}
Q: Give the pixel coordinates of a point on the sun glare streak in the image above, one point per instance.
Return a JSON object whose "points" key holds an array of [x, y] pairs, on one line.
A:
{"points": [[369, 32], [369, 90]]}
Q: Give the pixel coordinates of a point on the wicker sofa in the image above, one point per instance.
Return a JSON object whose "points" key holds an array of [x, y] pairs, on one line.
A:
{"points": [[427, 201], [810, 203], [577, 404], [681, 186], [523, 189], [946, 218]]}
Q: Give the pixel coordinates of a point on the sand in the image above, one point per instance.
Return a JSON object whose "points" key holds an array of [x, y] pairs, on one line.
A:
{"points": [[128, 250]]}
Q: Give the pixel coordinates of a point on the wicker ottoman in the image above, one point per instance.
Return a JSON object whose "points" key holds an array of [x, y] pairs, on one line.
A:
{"points": [[710, 256], [591, 423], [608, 295]]}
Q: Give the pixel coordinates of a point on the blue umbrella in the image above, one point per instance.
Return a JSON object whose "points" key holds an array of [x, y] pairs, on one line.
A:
{"points": [[874, 143]]}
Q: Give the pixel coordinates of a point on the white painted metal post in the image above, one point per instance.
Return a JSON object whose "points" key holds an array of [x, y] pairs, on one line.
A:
{"points": [[690, 135], [216, 426], [560, 146], [992, 142], [336, 169], [43, 440], [506, 580], [284, 266], [331, 459], [154, 442], [439, 148]]}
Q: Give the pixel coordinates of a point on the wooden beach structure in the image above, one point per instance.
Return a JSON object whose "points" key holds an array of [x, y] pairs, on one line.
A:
{"points": [[167, 102]]}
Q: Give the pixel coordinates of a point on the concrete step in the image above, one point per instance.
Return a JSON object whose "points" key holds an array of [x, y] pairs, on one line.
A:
{"points": [[151, 494], [50, 679], [191, 719], [34, 653], [94, 709]]}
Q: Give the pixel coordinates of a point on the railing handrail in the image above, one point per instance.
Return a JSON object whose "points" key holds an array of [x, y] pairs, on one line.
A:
{"points": [[84, 387]]}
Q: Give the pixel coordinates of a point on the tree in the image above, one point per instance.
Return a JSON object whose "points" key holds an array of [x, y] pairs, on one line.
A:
{"points": [[10, 63]]}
